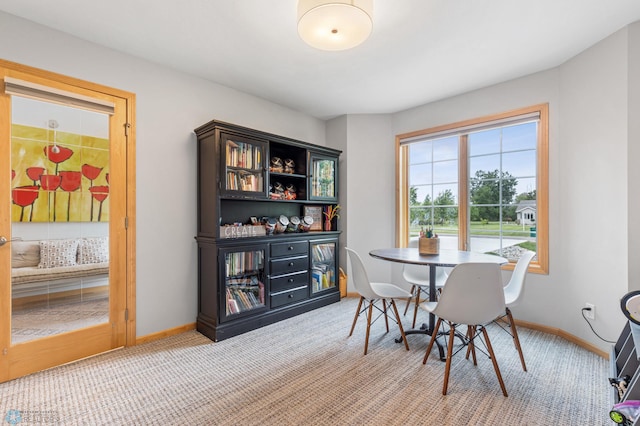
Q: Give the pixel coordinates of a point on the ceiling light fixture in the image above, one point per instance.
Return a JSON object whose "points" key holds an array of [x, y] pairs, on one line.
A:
{"points": [[335, 24]]}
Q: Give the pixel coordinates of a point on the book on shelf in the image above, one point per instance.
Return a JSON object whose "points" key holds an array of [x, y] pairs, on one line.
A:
{"points": [[239, 263], [323, 252], [242, 296], [244, 155], [244, 181], [322, 277]]}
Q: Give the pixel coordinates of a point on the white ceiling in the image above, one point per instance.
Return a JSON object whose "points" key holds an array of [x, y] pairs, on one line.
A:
{"points": [[420, 50]]}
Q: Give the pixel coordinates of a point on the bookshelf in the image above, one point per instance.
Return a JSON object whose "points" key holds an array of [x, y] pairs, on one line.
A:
{"points": [[253, 269]]}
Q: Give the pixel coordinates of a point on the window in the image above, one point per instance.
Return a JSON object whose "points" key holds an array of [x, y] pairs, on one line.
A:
{"points": [[481, 185]]}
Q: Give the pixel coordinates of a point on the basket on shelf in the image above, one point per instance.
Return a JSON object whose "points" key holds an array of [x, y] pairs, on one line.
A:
{"points": [[342, 283]]}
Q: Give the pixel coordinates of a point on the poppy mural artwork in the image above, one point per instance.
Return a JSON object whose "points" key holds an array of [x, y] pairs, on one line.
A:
{"points": [[58, 176]]}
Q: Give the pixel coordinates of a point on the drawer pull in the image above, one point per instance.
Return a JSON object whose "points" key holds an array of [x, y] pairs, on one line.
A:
{"points": [[290, 248], [290, 296], [291, 280], [291, 263]]}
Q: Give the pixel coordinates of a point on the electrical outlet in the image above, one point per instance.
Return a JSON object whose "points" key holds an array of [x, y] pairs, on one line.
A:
{"points": [[590, 314]]}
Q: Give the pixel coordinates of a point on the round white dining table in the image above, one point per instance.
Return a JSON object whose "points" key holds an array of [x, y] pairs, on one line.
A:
{"points": [[445, 258]]}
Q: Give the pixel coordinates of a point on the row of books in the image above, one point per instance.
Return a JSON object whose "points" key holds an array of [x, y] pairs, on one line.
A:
{"points": [[244, 298], [323, 252], [322, 277], [240, 154], [242, 181], [242, 262]]}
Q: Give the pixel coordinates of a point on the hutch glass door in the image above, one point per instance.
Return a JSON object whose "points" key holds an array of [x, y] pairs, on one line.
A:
{"points": [[323, 265], [323, 178]]}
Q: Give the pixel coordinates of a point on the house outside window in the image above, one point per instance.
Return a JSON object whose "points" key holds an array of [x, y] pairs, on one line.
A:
{"points": [[481, 185]]}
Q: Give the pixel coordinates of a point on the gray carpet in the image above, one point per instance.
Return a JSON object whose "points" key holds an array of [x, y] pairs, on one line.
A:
{"points": [[305, 371]]}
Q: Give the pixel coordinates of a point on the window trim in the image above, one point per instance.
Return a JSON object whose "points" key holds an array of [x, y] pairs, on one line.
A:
{"points": [[541, 264]]}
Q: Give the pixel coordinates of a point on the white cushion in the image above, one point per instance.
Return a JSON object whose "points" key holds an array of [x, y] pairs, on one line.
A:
{"points": [[25, 254], [93, 250], [55, 253]]}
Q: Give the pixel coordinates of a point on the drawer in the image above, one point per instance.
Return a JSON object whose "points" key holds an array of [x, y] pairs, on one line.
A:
{"points": [[288, 265], [286, 297], [291, 248], [288, 282]]}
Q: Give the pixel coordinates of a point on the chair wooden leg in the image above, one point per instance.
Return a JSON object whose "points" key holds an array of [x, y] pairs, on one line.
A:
{"points": [[494, 361], [415, 309], [434, 335], [471, 347], [516, 340], [406, 308], [468, 336], [355, 318], [395, 310], [447, 369], [384, 310], [369, 315]]}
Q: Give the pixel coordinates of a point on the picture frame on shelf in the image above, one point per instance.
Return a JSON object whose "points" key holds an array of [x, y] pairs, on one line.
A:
{"points": [[316, 213]]}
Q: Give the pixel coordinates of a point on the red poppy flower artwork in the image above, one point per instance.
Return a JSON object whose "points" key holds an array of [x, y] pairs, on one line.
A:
{"points": [[57, 154], [34, 173], [100, 193], [50, 182], [71, 181], [91, 172], [61, 179], [24, 196]]}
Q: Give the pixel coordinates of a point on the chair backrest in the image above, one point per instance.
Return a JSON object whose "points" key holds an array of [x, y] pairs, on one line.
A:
{"points": [[359, 276], [419, 274], [514, 290], [473, 294]]}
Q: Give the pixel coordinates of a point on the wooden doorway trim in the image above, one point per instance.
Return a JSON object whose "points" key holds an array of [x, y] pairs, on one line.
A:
{"points": [[130, 132]]}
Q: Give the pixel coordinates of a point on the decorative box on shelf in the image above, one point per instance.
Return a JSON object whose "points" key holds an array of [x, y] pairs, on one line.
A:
{"points": [[242, 231], [428, 245]]}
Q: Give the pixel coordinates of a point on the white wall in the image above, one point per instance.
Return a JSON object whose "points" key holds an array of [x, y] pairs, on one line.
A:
{"points": [[370, 209], [592, 187], [169, 106], [633, 191]]}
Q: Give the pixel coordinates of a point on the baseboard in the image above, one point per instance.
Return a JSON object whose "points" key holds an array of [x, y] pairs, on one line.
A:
{"points": [[165, 333], [531, 325], [549, 330], [567, 336]]}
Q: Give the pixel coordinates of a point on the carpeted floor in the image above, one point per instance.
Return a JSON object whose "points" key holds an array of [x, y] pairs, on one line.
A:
{"points": [[305, 371]]}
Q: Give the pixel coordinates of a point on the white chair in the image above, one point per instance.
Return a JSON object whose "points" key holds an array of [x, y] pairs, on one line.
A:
{"points": [[513, 293], [418, 277], [473, 295], [372, 292]]}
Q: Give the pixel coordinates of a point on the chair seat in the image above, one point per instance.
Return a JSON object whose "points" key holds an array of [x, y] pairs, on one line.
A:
{"points": [[389, 291], [370, 295], [429, 306], [510, 300]]}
